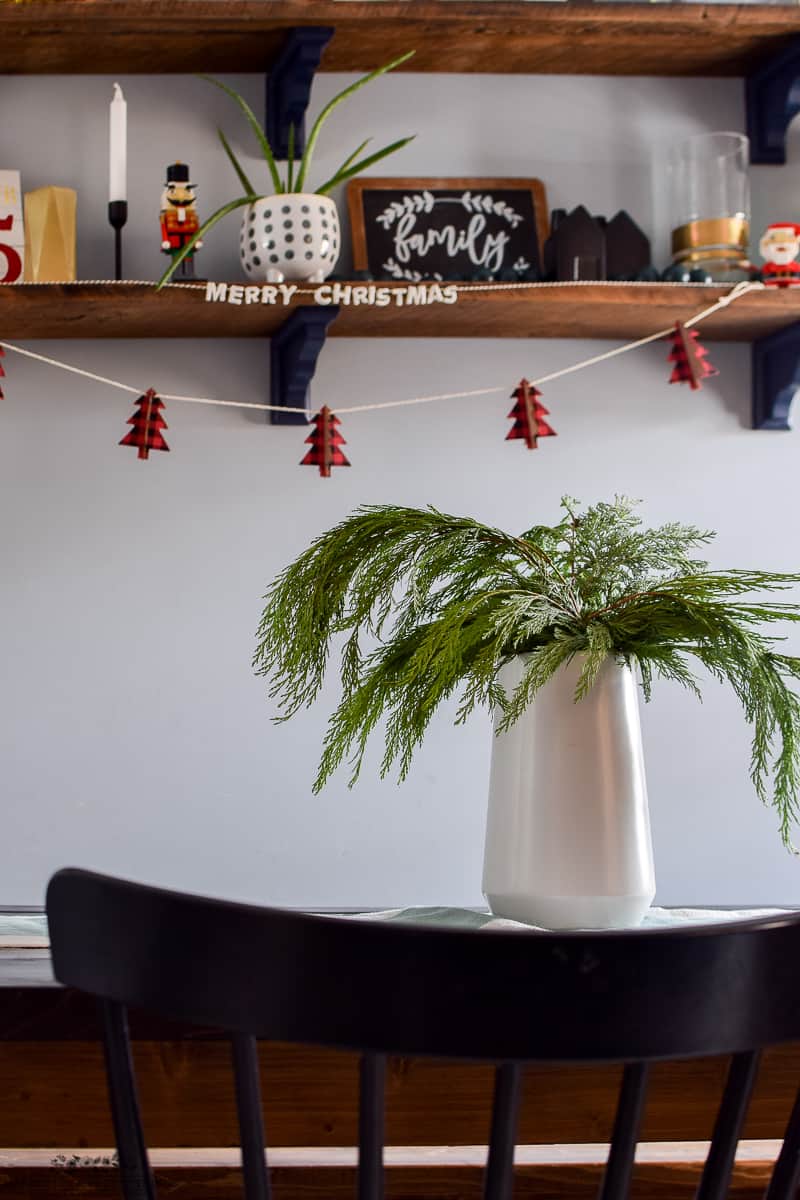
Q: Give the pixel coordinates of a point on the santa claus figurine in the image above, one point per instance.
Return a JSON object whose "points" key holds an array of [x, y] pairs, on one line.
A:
{"points": [[179, 221], [780, 246]]}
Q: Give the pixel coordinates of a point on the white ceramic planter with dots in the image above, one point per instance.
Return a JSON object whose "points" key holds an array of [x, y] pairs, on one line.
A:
{"points": [[294, 236]]}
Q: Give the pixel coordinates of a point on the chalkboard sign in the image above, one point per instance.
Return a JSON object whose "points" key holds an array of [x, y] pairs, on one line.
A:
{"points": [[418, 229]]}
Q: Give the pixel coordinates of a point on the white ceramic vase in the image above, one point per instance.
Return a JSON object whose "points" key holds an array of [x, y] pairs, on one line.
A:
{"points": [[568, 832], [295, 236]]}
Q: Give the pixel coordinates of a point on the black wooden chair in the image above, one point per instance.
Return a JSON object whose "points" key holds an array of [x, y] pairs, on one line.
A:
{"points": [[380, 988]]}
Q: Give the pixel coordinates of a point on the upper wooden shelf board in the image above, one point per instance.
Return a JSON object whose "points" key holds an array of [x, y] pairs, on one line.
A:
{"points": [[619, 312], [506, 36]]}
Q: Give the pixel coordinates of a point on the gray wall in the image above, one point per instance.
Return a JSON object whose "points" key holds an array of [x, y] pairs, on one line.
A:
{"points": [[133, 737]]}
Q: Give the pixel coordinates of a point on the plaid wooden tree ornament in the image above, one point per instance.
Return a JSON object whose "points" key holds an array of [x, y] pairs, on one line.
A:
{"points": [[325, 441], [147, 424], [528, 416], [689, 357]]}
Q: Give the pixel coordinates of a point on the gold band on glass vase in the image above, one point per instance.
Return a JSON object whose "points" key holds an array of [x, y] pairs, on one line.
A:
{"points": [[717, 238]]}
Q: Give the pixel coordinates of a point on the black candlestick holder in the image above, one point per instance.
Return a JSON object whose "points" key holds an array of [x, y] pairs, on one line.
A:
{"points": [[117, 216]]}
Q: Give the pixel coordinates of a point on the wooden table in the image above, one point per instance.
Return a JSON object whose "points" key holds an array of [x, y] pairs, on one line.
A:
{"points": [[54, 1103]]}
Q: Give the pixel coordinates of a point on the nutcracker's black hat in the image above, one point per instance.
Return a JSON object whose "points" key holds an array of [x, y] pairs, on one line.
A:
{"points": [[179, 173]]}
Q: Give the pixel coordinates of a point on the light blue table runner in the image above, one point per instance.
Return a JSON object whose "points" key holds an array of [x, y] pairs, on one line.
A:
{"points": [[23, 930], [468, 918], [29, 930]]}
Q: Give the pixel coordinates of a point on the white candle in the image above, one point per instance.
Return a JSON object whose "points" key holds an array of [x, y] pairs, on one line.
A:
{"points": [[118, 147]]}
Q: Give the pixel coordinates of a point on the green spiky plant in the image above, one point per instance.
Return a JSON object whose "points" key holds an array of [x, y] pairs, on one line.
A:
{"points": [[296, 173], [449, 601]]}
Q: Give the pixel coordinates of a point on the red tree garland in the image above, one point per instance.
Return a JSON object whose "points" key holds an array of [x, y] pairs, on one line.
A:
{"points": [[325, 441], [147, 424], [689, 357], [528, 415]]}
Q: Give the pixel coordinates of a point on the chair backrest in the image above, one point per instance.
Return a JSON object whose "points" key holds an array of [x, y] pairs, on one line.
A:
{"points": [[633, 996]]}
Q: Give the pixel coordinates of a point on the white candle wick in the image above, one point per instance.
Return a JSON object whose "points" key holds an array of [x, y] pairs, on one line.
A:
{"points": [[118, 147]]}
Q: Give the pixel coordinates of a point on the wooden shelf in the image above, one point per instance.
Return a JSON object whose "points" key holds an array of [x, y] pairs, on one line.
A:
{"points": [[506, 36], [611, 311]]}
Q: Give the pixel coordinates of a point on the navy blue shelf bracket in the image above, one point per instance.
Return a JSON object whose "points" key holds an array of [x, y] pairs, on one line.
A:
{"points": [[772, 98], [294, 351], [776, 378], [289, 86]]}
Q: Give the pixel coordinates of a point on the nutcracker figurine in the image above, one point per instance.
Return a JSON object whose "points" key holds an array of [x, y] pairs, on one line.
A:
{"points": [[179, 221], [780, 245]]}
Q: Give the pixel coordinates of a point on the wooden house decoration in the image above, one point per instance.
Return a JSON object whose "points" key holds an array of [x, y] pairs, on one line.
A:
{"points": [[627, 248], [576, 247], [583, 247]]}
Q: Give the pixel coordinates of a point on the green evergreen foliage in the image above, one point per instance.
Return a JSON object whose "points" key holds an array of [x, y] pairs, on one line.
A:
{"points": [[444, 601]]}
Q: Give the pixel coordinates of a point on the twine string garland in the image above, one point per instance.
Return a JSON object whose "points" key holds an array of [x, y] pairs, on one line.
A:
{"points": [[736, 292]]}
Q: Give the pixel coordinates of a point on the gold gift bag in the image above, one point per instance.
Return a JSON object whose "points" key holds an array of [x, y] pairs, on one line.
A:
{"points": [[50, 235]]}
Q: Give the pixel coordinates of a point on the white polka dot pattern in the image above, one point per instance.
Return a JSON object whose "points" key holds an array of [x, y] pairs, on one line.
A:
{"points": [[295, 236]]}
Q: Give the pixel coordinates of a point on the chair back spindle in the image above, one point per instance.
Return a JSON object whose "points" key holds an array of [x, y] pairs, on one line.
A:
{"points": [[371, 1108], [622, 1151], [786, 1172], [135, 1173], [718, 1167], [499, 1178], [249, 1110]]}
